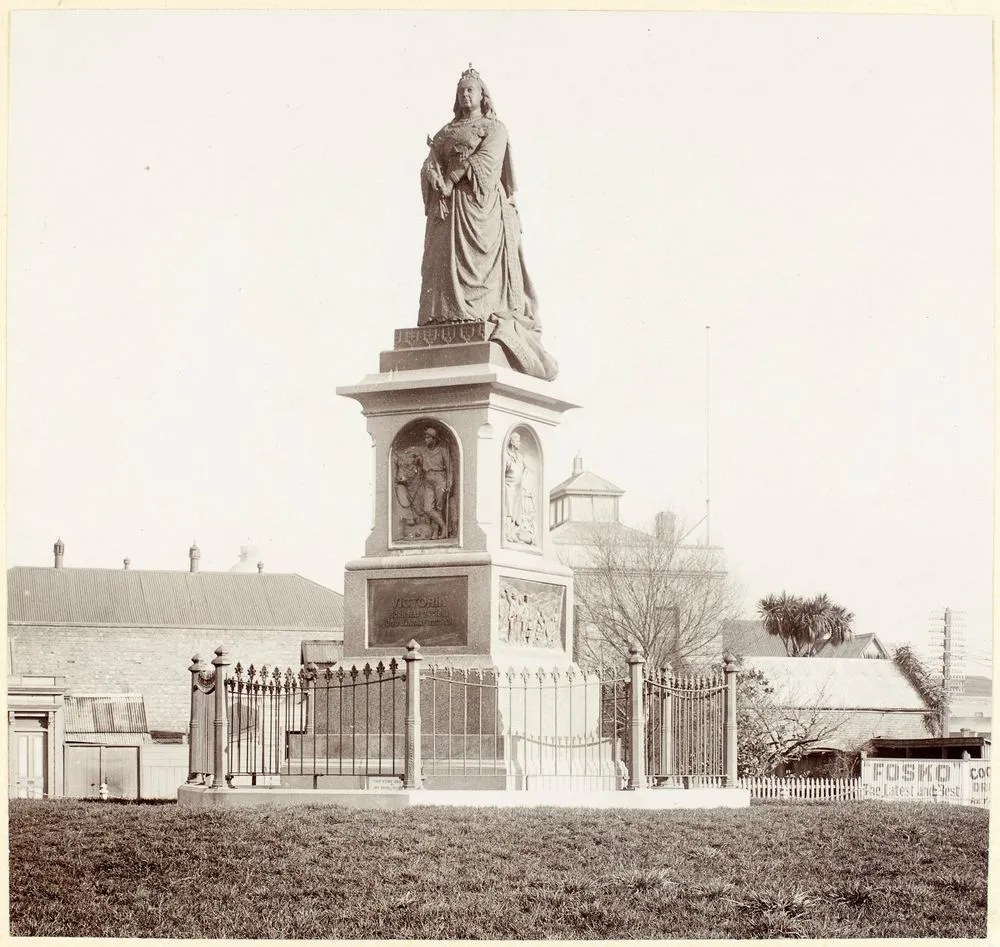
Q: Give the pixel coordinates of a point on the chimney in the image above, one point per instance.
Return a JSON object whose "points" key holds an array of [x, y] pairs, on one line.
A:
{"points": [[126, 562], [194, 554], [59, 548], [666, 526], [578, 464], [244, 552], [260, 566]]}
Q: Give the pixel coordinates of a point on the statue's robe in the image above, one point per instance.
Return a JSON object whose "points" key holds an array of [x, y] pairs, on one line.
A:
{"points": [[473, 266]]}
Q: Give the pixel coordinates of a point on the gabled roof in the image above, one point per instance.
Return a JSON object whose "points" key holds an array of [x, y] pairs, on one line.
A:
{"points": [[585, 482], [746, 636], [854, 648], [838, 683], [140, 598]]}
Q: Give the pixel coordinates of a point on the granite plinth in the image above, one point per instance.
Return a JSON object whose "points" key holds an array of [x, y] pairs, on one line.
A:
{"points": [[449, 583]]}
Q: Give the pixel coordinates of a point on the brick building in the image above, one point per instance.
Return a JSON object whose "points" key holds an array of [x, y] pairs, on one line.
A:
{"points": [[112, 647]]}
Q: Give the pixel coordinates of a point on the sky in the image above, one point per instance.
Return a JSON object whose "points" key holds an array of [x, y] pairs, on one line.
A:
{"points": [[215, 220]]}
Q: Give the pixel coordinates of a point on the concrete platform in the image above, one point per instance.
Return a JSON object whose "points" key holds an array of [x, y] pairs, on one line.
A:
{"points": [[706, 798]]}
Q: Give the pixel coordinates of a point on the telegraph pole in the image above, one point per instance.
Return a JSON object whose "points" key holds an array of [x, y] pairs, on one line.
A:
{"points": [[946, 669], [947, 628]]}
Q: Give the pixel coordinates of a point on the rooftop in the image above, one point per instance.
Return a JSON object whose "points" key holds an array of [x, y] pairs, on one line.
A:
{"points": [[838, 683], [585, 482], [746, 636], [140, 598]]}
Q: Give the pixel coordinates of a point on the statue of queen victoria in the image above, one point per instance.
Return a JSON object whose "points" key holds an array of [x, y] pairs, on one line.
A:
{"points": [[473, 266]]}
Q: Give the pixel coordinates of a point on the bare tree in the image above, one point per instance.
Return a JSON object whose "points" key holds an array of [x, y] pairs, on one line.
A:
{"points": [[634, 587], [771, 732]]}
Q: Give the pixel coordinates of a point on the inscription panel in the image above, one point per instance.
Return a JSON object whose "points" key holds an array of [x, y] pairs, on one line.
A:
{"points": [[433, 611], [532, 614]]}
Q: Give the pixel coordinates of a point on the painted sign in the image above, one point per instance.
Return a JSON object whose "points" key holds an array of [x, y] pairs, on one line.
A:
{"points": [[965, 782], [434, 611]]}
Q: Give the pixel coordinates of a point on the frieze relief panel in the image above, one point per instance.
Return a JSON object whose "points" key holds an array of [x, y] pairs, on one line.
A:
{"points": [[522, 479], [425, 484], [532, 614]]}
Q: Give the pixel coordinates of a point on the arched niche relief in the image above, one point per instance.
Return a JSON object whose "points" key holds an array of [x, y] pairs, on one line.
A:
{"points": [[522, 483], [426, 483]]}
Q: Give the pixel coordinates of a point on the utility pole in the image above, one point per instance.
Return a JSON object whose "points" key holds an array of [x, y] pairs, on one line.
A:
{"points": [[946, 661], [948, 630]]}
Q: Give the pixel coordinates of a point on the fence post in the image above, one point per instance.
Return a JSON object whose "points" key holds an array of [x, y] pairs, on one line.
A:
{"points": [[196, 749], [667, 723], [411, 777], [637, 771], [730, 735], [220, 662]]}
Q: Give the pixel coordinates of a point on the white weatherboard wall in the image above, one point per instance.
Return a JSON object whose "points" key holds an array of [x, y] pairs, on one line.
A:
{"points": [[162, 768]]}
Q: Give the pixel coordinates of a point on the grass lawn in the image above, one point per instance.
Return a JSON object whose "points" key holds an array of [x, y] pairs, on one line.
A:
{"points": [[784, 870]]}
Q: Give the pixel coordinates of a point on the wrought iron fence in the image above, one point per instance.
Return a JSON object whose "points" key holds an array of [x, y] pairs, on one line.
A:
{"points": [[460, 728], [685, 727], [522, 728]]}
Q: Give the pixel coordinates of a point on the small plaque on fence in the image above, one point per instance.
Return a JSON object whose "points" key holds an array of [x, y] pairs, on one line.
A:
{"points": [[384, 783]]}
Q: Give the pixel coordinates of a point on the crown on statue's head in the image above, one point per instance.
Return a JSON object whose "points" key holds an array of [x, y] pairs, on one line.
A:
{"points": [[470, 73]]}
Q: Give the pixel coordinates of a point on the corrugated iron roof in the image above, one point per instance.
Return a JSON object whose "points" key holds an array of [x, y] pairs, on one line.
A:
{"points": [[322, 652], [746, 636], [114, 713], [838, 683], [140, 598]]}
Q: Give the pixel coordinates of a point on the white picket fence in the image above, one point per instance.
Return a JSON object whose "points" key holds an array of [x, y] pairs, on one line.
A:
{"points": [[772, 787]]}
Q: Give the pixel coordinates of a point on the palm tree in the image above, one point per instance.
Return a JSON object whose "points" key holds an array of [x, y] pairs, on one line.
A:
{"points": [[805, 625]]}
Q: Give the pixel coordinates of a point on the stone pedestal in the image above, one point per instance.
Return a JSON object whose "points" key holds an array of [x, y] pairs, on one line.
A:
{"points": [[459, 556]]}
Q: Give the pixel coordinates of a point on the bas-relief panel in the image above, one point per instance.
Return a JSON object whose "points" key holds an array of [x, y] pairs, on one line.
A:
{"points": [[522, 478], [532, 614], [425, 484]]}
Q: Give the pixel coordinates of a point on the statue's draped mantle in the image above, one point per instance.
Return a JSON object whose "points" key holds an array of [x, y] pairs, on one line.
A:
{"points": [[473, 267]]}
